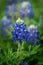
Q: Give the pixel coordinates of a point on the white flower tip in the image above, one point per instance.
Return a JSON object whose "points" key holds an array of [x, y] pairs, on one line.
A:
{"points": [[33, 27], [25, 3], [19, 21]]}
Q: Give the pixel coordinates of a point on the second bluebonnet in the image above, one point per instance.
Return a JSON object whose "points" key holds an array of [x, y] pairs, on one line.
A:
{"points": [[5, 26], [26, 9], [11, 11]]}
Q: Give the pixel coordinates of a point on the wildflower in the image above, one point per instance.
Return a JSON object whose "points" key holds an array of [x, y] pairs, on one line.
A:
{"points": [[20, 31], [34, 34], [26, 10], [11, 11], [5, 23]]}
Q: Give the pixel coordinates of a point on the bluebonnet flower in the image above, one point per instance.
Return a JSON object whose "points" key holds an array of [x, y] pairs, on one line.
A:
{"points": [[20, 33], [26, 10], [5, 23], [34, 34], [11, 11]]}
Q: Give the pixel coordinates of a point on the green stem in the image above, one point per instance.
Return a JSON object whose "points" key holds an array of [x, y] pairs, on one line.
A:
{"points": [[18, 47]]}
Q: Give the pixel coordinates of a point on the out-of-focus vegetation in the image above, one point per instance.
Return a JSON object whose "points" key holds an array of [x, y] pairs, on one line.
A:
{"points": [[12, 53]]}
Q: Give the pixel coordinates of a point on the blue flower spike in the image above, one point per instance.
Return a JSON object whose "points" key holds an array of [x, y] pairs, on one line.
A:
{"points": [[11, 11], [34, 34], [19, 32], [26, 10], [5, 22]]}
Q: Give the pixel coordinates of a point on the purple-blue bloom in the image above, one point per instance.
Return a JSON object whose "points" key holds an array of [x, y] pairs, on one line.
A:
{"points": [[20, 33], [26, 9], [5, 21], [5, 26], [11, 11], [34, 34]]}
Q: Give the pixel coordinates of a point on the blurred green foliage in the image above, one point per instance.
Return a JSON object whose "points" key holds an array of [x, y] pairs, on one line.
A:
{"points": [[8, 54]]}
